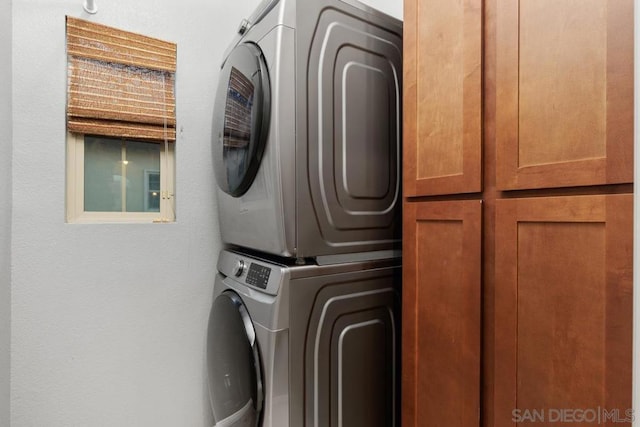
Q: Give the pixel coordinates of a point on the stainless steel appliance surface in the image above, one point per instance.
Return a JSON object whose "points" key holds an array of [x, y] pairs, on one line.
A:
{"points": [[304, 345], [307, 130]]}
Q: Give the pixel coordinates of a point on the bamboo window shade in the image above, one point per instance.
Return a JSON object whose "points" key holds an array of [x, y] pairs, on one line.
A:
{"points": [[120, 84]]}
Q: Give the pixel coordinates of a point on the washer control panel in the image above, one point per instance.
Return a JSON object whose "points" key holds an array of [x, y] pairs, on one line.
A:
{"points": [[258, 275]]}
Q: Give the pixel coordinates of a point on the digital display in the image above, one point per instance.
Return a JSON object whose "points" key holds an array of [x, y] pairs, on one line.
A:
{"points": [[258, 276]]}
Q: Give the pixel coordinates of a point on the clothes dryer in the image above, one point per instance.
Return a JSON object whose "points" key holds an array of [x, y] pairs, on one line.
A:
{"points": [[307, 130], [304, 346]]}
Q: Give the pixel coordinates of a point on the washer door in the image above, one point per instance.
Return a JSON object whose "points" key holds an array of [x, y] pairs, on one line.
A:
{"points": [[235, 377], [241, 119]]}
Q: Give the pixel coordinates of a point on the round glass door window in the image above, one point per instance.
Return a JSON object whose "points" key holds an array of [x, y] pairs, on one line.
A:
{"points": [[241, 119], [233, 364]]}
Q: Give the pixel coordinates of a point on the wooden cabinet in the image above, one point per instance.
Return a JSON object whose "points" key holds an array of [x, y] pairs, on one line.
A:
{"points": [[518, 182], [564, 82], [442, 97], [441, 313], [442, 239], [563, 304]]}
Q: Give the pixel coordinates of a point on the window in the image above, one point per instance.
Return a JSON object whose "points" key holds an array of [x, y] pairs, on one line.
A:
{"points": [[119, 180], [121, 125]]}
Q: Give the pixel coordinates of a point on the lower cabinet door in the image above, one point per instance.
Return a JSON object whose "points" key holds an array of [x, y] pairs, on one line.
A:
{"points": [[441, 313], [563, 304]]}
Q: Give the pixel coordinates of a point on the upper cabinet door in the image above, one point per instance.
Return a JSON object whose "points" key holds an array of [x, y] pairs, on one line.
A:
{"points": [[564, 81], [442, 97]]}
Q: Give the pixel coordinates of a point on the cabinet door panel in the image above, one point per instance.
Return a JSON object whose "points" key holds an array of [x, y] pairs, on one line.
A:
{"points": [[564, 107], [563, 305], [441, 314], [442, 93]]}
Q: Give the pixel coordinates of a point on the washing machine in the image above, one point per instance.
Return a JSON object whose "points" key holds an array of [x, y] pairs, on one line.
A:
{"points": [[304, 346], [306, 136]]}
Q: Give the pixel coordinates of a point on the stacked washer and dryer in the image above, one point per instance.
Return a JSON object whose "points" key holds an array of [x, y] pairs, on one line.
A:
{"points": [[304, 328]]}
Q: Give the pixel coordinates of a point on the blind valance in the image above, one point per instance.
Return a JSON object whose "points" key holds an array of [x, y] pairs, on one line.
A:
{"points": [[120, 84]]}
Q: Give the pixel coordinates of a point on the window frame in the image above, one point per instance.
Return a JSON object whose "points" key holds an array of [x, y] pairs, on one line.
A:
{"points": [[75, 212]]}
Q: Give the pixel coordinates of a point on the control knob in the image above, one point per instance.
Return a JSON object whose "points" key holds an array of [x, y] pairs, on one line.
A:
{"points": [[238, 268]]}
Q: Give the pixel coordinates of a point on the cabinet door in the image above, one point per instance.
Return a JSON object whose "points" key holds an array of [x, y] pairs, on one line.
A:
{"points": [[441, 314], [563, 307], [442, 96], [564, 81]]}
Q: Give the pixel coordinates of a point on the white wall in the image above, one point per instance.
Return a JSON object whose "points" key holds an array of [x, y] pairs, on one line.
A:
{"points": [[390, 7], [108, 321], [5, 209]]}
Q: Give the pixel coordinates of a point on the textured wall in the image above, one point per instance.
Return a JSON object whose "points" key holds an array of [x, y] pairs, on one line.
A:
{"points": [[108, 321], [5, 209]]}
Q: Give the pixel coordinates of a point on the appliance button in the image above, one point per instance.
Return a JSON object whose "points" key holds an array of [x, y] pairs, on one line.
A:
{"points": [[244, 26]]}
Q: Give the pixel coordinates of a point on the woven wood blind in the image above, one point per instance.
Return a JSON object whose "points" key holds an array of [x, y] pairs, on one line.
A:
{"points": [[120, 84]]}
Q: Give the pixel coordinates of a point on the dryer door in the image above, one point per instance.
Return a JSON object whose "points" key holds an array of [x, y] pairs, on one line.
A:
{"points": [[235, 376], [241, 118]]}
